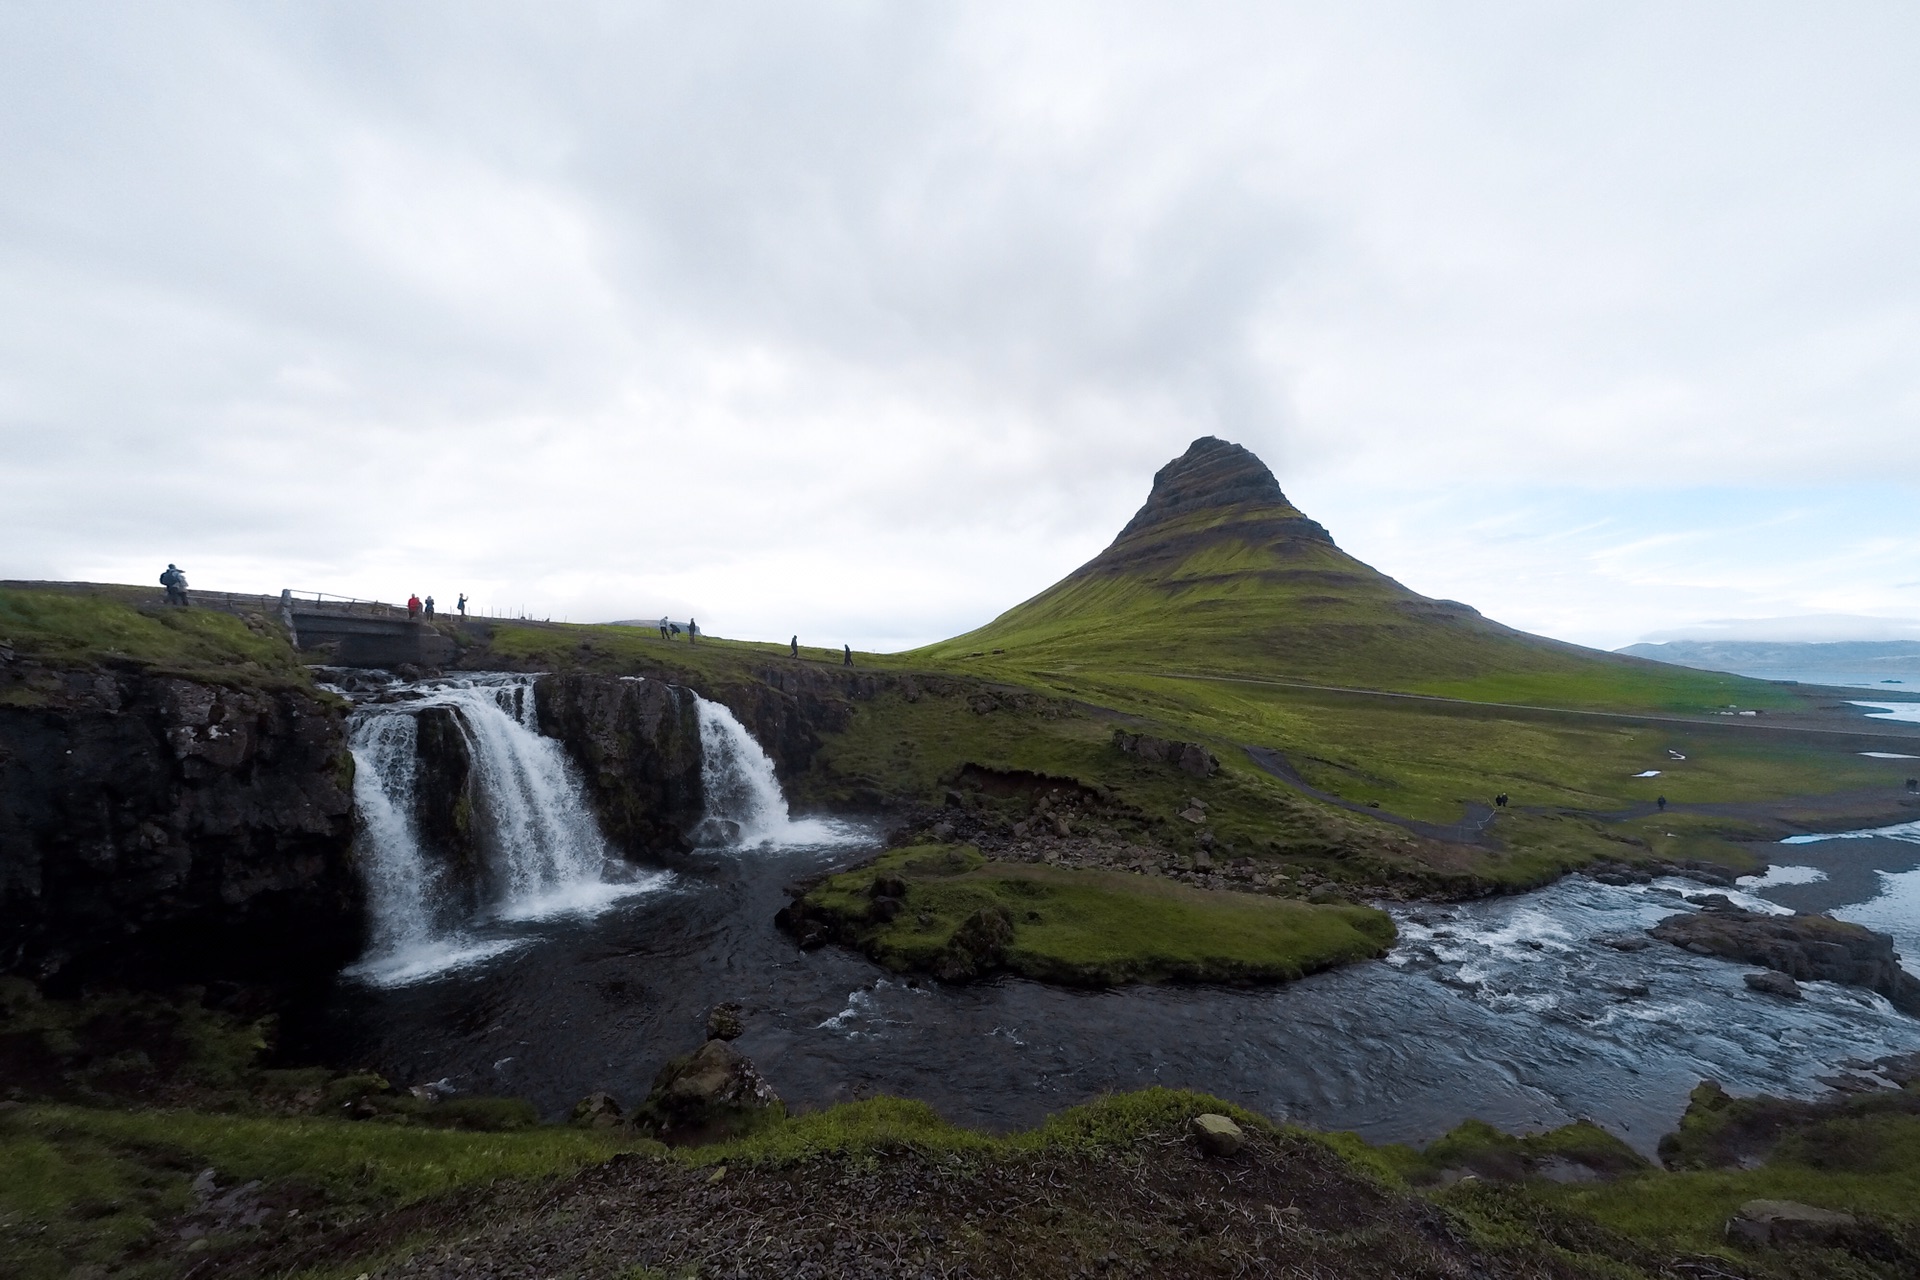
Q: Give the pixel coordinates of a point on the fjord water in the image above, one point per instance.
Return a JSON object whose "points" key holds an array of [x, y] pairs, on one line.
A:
{"points": [[1507, 1010]]}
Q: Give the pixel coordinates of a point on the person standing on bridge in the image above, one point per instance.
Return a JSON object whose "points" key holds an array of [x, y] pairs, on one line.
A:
{"points": [[413, 607], [429, 608], [176, 584]]}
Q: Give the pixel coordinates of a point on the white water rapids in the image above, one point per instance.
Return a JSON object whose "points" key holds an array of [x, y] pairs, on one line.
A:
{"points": [[543, 852]]}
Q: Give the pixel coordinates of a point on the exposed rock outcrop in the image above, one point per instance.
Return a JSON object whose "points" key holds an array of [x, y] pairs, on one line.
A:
{"points": [[444, 804], [637, 743], [156, 828], [1188, 757], [1809, 948], [708, 1095]]}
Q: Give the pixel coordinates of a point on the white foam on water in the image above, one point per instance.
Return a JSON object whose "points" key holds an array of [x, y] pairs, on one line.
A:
{"points": [[431, 958], [745, 807], [1909, 831], [1776, 876]]}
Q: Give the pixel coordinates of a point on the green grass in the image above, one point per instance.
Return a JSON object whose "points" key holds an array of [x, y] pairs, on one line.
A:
{"points": [[65, 628], [1227, 592], [80, 1185], [1095, 928]]}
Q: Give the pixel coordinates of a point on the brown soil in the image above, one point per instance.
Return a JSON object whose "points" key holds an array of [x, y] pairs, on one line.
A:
{"points": [[1282, 1206]]}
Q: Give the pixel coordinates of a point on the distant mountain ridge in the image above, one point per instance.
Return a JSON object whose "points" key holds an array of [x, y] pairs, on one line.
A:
{"points": [[1868, 657]]}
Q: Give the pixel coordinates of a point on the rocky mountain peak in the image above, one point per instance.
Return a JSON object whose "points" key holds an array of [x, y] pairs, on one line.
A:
{"points": [[1211, 473]]}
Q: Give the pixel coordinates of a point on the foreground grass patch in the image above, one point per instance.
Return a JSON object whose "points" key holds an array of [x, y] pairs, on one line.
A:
{"points": [[945, 910]]}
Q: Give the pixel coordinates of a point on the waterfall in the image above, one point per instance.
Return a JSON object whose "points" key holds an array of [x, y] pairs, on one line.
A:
{"points": [[744, 804], [400, 882], [543, 851]]}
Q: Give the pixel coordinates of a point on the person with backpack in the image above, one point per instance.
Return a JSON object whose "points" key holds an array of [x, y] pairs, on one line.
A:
{"points": [[429, 608], [176, 584]]}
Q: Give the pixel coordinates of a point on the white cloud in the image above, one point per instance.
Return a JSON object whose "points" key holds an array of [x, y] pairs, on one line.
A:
{"points": [[872, 320]]}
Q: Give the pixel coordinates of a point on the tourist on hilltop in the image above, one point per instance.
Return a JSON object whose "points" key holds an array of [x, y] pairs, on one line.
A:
{"points": [[413, 607], [796, 645], [849, 661], [663, 628], [693, 630], [176, 584], [429, 608], [461, 605], [675, 627]]}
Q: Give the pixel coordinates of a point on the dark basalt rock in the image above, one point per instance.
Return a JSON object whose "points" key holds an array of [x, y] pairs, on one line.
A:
{"points": [[637, 743], [444, 805], [157, 829], [1188, 757], [709, 1095], [1211, 473], [1808, 948]]}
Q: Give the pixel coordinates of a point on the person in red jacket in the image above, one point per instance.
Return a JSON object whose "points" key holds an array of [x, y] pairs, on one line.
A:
{"points": [[413, 608]]}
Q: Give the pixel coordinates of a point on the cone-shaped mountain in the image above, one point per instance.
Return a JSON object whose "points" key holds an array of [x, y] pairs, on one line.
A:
{"points": [[1219, 573]]}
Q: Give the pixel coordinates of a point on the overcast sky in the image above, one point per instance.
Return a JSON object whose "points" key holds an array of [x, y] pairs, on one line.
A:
{"points": [[868, 321]]}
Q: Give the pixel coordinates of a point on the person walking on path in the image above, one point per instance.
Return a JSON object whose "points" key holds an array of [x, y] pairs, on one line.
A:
{"points": [[1662, 803], [849, 660], [176, 584], [413, 607], [461, 605], [429, 608], [795, 642]]}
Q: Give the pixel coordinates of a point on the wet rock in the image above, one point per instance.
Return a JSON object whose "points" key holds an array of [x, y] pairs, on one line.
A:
{"points": [[1779, 1222], [1774, 984], [725, 1022], [1217, 1135], [597, 1111], [710, 1094], [637, 743], [1624, 941], [1327, 895], [1809, 948]]}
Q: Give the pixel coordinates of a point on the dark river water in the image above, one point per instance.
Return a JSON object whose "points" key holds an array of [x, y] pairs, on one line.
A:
{"points": [[1505, 1010]]}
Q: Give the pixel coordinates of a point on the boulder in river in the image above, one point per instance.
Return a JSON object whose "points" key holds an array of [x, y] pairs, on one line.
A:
{"points": [[708, 1095], [1768, 982], [724, 1022], [1810, 948]]}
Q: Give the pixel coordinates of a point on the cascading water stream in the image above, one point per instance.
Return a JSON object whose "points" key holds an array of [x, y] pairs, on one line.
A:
{"points": [[744, 804], [543, 851]]}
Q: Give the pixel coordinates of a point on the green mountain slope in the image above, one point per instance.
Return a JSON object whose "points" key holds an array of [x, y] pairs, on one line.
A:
{"points": [[1219, 574]]}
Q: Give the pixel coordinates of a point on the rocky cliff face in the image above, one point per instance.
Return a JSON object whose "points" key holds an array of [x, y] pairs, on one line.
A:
{"points": [[158, 828], [637, 743]]}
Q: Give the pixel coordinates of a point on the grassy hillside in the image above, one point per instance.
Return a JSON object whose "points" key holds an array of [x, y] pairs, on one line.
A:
{"points": [[1219, 574]]}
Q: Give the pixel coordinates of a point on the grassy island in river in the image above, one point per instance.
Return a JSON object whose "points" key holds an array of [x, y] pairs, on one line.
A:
{"points": [[947, 911]]}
